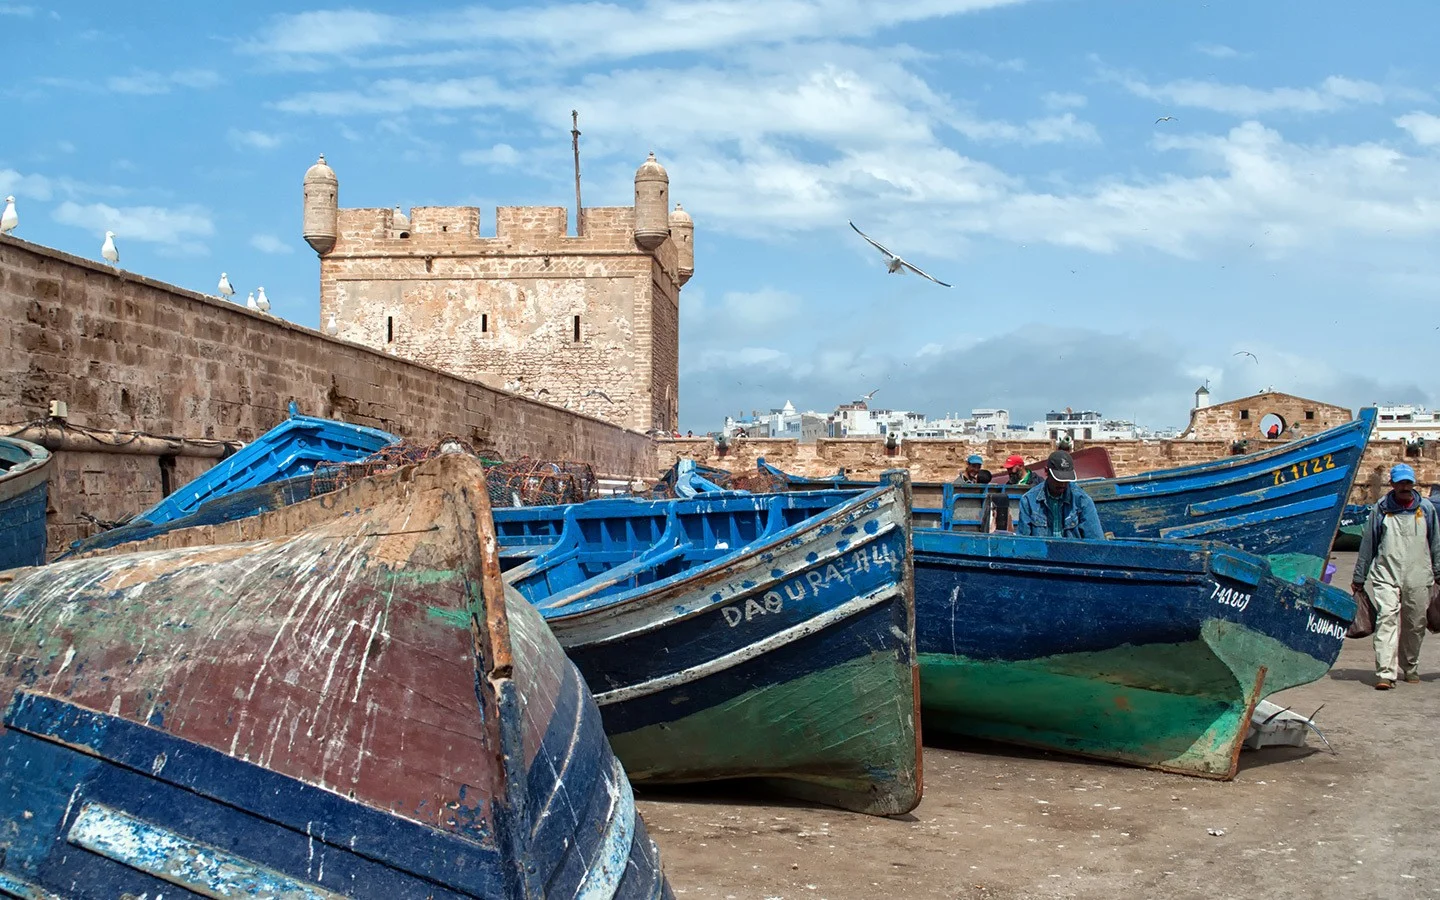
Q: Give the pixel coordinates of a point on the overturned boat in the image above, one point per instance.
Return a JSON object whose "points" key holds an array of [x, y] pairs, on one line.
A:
{"points": [[24, 492], [741, 636], [1152, 653], [339, 699]]}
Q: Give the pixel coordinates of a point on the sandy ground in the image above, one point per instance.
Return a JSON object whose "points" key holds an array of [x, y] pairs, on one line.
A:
{"points": [[1000, 822]]}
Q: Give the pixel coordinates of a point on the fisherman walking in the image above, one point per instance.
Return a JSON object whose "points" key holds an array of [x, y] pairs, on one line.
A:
{"points": [[1399, 562], [1057, 507]]}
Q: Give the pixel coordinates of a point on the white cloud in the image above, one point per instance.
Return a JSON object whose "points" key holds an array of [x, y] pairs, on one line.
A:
{"points": [[500, 156], [254, 140], [395, 95], [269, 243], [148, 82], [1063, 100], [1423, 127], [12, 9], [1218, 51], [1062, 129], [36, 187], [986, 61], [1332, 94], [176, 228]]}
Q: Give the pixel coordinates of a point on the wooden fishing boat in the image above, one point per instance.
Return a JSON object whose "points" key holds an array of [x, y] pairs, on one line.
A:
{"points": [[338, 706], [1152, 653], [1283, 503], [24, 490], [742, 636], [1352, 526]]}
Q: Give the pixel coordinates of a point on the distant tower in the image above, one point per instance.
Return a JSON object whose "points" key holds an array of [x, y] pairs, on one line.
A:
{"points": [[682, 229], [322, 207], [1202, 397], [652, 204]]}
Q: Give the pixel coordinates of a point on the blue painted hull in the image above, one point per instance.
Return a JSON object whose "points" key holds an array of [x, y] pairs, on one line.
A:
{"points": [[723, 642], [338, 709], [24, 492], [1283, 503], [1151, 653]]}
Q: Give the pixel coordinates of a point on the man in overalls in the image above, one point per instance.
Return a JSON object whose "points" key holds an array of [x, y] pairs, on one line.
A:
{"points": [[1399, 561]]}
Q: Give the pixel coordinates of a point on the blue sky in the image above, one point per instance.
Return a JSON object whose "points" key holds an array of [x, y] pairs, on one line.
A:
{"points": [[1100, 260]]}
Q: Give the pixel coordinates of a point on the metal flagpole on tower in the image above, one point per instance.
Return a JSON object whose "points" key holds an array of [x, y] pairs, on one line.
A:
{"points": [[575, 143]]}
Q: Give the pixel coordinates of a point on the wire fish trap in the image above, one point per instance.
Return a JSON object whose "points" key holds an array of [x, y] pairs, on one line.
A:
{"points": [[331, 476], [532, 482]]}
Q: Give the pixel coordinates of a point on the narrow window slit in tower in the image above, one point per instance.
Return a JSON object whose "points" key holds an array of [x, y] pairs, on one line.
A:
{"points": [[577, 329], [389, 329], [484, 323]]}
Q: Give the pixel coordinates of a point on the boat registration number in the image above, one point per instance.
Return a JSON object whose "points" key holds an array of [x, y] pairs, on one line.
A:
{"points": [[1305, 468], [1230, 597]]}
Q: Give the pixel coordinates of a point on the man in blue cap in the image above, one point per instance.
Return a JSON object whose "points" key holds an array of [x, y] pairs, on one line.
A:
{"points": [[1399, 562], [1057, 507], [971, 475]]}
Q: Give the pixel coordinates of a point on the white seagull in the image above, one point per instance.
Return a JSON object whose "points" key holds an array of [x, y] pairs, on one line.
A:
{"points": [[1249, 354], [226, 289], [332, 327], [1166, 119], [896, 263], [108, 251], [250, 302], [596, 392], [262, 301], [8, 219]]}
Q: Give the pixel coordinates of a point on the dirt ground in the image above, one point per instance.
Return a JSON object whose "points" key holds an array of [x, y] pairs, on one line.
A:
{"points": [[999, 822]]}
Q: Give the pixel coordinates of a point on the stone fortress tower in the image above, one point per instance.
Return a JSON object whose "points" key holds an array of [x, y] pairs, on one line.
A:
{"points": [[534, 309]]}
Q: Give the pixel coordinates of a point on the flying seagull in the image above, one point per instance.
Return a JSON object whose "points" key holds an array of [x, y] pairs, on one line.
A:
{"points": [[1165, 119], [866, 398], [226, 290], [108, 251], [262, 302], [595, 392], [896, 263], [9, 220], [1249, 354]]}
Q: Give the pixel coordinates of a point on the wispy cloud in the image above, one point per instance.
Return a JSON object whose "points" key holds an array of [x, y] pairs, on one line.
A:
{"points": [[269, 243], [1217, 51], [1332, 94], [499, 156], [1062, 129], [1062, 100], [179, 229], [986, 61], [254, 140], [148, 82], [13, 9], [1423, 127]]}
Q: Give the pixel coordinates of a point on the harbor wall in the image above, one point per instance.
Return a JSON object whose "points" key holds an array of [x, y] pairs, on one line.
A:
{"points": [[131, 354]]}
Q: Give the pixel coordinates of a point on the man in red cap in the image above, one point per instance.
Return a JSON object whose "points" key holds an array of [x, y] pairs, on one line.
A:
{"points": [[1015, 468]]}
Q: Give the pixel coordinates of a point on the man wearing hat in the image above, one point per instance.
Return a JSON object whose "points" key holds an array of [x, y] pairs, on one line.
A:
{"points": [[971, 475], [1057, 507], [1399, 561], [1015, 468]]}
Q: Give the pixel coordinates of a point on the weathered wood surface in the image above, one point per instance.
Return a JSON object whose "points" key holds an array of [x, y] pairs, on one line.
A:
{"points": [[1149, 653], [742, 637], [346, 704]]}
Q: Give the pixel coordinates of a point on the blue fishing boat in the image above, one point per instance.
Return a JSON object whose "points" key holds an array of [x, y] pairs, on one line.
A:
{"points": [[741, 636], [1352, 524], [289, 450], [341, 706], [1283, 503], [1152, 653], [24, 490]]}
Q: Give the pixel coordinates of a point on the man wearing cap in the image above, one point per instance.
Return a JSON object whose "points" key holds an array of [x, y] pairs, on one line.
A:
{"points": [[1399, 562], [971, 475], [1057, 507], [1015, 468]]}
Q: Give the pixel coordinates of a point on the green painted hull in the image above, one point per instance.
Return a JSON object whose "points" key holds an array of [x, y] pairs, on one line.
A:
{"points": [[1176, 707], [831, 737], [1348, 537]]}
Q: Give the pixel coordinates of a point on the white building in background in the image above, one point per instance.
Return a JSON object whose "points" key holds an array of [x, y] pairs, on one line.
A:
{"points": [[1405, 422], [859, 420], [784, 422]]}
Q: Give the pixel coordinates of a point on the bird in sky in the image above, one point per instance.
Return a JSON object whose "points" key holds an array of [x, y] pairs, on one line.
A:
{"points": [[596, 392], [1249, 354], [108, 250], [226, 289], [9, 220], [895, 263], [866, 398], [262, 302], [1166, 119]]}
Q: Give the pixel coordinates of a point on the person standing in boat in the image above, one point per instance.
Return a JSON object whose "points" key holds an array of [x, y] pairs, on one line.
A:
{"points": [[1019, 475], [1057, 506], [971, 475], [1399, 562]]}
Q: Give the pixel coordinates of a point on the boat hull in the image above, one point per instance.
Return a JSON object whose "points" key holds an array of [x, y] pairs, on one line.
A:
{"points": [[24, 492], [790, 661], [1152, 654], [336, 708]]}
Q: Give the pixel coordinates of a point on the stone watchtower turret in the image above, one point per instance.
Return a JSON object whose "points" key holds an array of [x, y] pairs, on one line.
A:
{"points": [[589, 322]]}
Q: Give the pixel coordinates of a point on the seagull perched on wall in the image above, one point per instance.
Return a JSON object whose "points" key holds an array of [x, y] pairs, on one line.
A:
{"points": [[596, 392], [262, 302], [108, 251], [332, 327], [250, 302], [895, 263], [1249, 354], [226, 290], [8, 219]]}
